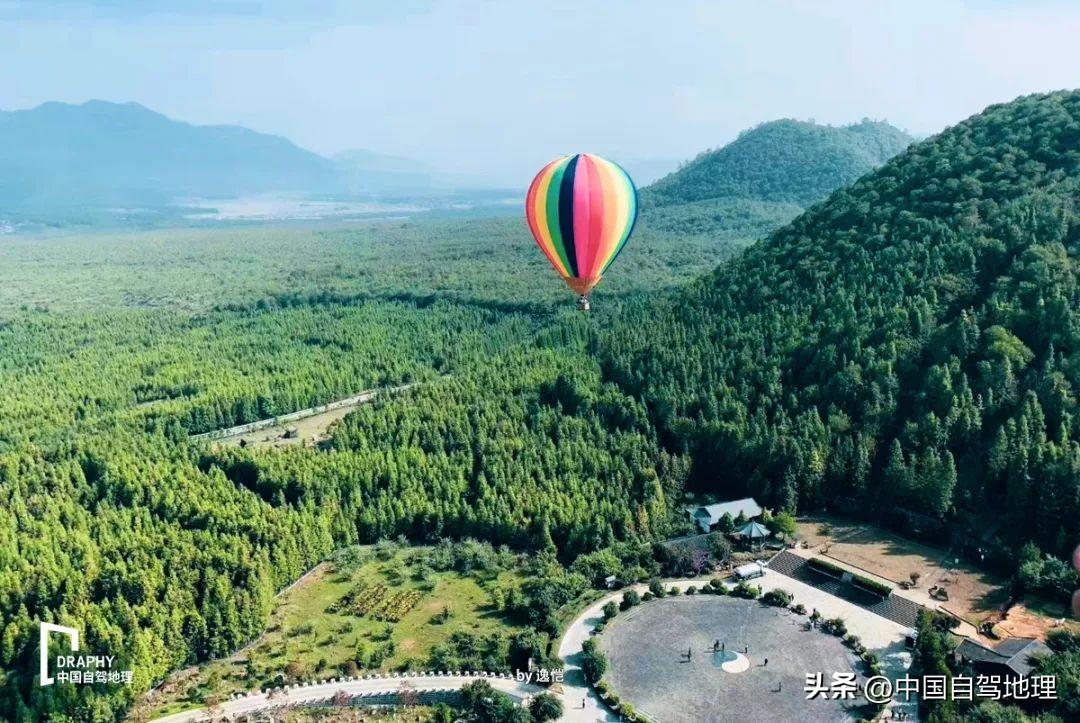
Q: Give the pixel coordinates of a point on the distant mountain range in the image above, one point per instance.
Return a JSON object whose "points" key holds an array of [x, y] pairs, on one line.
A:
{"points": [[363, 171], [108, 153], [123, 154]]}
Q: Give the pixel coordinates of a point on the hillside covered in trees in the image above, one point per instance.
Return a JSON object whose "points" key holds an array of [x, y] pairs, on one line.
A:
{"points": [[910, 347], [766, 177], [785, 161]]}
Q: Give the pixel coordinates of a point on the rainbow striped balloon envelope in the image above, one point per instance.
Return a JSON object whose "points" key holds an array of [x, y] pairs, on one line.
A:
{"points": [[581, 210]]}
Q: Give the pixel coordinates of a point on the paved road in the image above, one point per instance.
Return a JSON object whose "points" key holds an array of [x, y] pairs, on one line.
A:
{"points": [[357, 686], [575, 688]]}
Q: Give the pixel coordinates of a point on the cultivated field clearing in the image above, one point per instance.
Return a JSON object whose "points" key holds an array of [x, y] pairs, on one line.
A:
{"points": [[308, 637]]}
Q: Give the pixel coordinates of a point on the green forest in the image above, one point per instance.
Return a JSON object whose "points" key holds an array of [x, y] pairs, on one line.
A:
{"points": [[909, 345], [905, 350]]}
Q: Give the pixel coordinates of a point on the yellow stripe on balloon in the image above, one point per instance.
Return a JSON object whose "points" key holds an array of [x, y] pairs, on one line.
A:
{"points": [[615, 229], [547, 243], [618, 209]]}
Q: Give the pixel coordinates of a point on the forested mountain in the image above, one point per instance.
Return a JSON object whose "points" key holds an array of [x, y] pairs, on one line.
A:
{"points": [[785, 161], [110, 153], [909, 347]]}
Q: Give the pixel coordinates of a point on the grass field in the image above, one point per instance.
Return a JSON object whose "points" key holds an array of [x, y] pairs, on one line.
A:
{"points": [[307, 639]]}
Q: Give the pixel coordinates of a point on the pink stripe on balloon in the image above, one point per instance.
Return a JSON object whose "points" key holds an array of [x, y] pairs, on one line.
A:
{"points": [[583, 180]]}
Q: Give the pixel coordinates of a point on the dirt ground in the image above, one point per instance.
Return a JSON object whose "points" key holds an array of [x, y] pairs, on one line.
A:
{"points": [[309, 431], [1024, 622], [973, 595]]}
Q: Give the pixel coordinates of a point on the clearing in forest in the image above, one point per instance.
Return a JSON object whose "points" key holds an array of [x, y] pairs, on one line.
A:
{"points": [[974, 595], [316, 631]]}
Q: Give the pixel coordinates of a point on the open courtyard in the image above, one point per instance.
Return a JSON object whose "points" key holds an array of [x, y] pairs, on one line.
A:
{"points": [[647, 650], [973, 595]]}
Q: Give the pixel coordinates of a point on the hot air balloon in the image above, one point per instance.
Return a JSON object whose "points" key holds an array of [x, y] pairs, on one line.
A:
{"points": [[581, 210]]}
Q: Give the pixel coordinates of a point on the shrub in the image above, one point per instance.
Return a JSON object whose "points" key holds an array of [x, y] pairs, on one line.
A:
{"points": [[545, 707], [826, 566], [1063, 640], [798, 609], [834, 626], [777, 598], [647, 596], [878, 588], [692, 590], [726, 524], [593, 661], [873, 663], [630, 598], [743, 590], [673, 591], [853, 641], [610, 610], [719, 547], [656, 588], [716, 583]]}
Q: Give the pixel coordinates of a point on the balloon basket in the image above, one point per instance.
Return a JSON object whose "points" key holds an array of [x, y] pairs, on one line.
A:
{"points": [[583, 303]]}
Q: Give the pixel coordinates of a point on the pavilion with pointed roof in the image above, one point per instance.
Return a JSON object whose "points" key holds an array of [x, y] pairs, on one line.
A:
{"points": [[753, 532]]}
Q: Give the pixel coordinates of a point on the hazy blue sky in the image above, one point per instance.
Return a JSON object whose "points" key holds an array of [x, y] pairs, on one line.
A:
{"points": [[500, 87]]}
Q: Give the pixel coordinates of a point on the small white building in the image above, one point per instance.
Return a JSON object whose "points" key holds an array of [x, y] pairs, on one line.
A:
{"points": [[707, 516]]}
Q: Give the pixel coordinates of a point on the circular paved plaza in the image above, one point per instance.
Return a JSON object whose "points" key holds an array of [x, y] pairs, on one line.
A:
{"points": [[648, 666]]}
